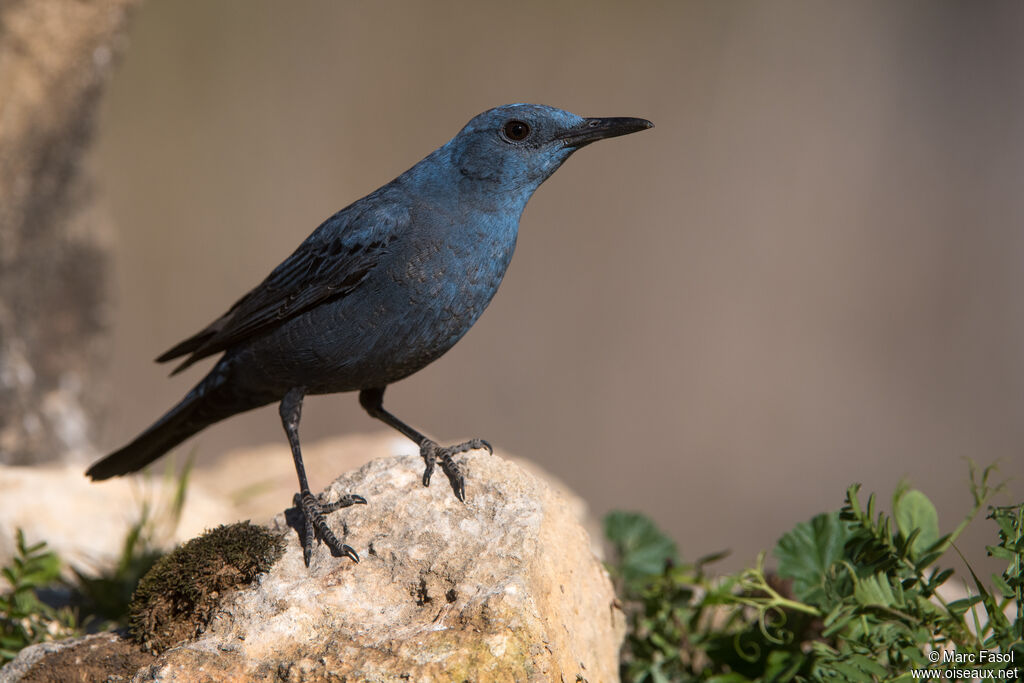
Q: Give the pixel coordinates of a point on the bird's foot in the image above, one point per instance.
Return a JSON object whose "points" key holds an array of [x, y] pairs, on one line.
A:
{"points": [[432, 453], [315, 526]]}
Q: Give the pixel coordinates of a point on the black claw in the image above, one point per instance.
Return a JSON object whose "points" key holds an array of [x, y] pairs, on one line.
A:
{"points": [[307, 543], [343, 502], [428, 451], [431, 453], [471, 445], [455, 476], [458, 483], [315, 526]]}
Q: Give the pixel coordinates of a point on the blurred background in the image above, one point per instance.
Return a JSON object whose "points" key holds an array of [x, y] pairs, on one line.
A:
{"points": [[808, 274]]}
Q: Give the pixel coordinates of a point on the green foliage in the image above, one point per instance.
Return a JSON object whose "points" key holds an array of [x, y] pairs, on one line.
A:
{"points": [[642, 547], [807, 553], [854, 598], [24, 618], [1009, 584]]}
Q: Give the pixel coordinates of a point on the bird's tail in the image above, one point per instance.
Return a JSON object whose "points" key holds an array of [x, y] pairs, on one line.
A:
{"points": [[210, 401]]}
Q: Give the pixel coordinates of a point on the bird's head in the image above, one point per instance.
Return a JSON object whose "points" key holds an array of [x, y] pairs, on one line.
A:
{"points": [[516, 147]]}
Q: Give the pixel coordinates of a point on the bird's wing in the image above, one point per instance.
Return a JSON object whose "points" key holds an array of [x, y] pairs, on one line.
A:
{"points": [[331, 263]]}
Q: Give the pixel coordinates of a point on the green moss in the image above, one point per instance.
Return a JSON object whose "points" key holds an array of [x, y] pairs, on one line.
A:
{"points": [[177, 598]]}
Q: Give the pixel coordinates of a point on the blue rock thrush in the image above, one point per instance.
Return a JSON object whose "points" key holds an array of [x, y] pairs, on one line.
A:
{"points": [[378, 291]]}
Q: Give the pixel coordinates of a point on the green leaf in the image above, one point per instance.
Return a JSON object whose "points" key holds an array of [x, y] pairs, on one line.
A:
{"points": [[995, 614], [915, 513], [642, 548], [849, 672], [868, 665], [807, 552], [874, 590], [1003, 587], [1000, 552], [958, 607]]}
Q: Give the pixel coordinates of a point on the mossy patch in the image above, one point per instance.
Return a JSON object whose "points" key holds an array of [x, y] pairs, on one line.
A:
{"points": [[177, 598]]}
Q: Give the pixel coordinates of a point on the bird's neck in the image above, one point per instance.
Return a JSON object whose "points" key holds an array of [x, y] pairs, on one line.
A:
{"points": [[489, 190]]}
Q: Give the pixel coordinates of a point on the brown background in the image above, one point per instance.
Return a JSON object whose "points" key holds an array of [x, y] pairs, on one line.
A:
{"points": [[808, 274]]}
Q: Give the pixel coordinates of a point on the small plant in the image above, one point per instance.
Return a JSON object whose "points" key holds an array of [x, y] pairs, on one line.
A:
{"points": [[855, 597], [24, 618]]}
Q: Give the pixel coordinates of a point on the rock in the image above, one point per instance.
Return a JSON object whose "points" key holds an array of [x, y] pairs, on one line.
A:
{"points": [[98, 657], [503, 587]]}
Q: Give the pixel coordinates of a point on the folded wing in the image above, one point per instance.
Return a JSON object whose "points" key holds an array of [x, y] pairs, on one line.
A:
{"points": [[331, 263]]}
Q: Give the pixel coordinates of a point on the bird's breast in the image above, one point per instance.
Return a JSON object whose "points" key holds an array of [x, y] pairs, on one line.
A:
{"points": [[416, 304], [450, 276]]}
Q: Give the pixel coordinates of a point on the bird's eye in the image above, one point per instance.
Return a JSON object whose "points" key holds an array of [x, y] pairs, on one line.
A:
{"points": [[516, 130]]}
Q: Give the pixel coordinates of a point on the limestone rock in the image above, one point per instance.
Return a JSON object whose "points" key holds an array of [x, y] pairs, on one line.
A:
{"points": [[503, 587], [97, 657]]}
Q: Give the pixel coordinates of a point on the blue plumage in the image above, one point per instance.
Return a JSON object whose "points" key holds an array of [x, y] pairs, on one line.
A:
{"points": [[379, 290]]}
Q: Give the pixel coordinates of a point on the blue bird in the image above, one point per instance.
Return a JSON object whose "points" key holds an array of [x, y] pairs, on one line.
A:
{"points": [[377, 292]]}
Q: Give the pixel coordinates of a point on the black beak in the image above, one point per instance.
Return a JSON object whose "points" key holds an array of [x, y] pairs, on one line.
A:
{"points": [[592, 130]]}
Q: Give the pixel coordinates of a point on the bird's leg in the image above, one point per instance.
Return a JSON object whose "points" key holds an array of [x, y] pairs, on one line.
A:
{"points": [[372, 400], [313, 510]]}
